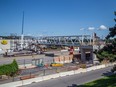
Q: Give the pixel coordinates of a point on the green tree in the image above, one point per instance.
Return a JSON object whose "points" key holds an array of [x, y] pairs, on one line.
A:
{"points": [[9, 69], [15, 64], [109, 51], [112, 30], [14, 69]]}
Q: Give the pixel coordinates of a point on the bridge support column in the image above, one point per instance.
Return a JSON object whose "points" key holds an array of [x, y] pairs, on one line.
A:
{"points": [[83, 56], [91, 56], [84, 51]]}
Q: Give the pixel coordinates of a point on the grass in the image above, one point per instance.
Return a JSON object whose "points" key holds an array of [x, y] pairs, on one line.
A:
{"points": [[109, 81]]}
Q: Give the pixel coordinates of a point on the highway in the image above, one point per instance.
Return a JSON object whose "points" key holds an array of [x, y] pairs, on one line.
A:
{"points": [[69, 81]]}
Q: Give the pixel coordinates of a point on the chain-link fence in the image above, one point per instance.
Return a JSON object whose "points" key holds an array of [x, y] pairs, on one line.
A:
{"points": [[38, 72]]}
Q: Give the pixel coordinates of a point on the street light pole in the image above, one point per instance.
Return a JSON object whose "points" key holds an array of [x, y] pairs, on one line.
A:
{"points": [[24, 64]]}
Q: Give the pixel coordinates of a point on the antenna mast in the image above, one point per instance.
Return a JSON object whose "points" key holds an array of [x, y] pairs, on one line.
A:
{"points": [[22, 23], [22, 36]]}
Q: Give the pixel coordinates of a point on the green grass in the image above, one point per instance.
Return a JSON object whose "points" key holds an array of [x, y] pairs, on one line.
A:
{"points": [[109, 81]]}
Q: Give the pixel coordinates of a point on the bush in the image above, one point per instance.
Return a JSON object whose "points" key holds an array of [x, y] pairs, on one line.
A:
{"points": [[83, 66], [105, 61], [9, 69], [105, 55]]}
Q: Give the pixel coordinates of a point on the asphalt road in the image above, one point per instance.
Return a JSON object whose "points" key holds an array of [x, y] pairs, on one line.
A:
{"points": [[77, 79]]}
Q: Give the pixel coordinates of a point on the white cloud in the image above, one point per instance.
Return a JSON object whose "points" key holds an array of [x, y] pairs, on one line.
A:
{"points": [[103, 27], [91, 28]]}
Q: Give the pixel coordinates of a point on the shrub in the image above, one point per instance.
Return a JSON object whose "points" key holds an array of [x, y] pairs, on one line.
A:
{"points": [[9, 69], [105, 61], [83, 66]]}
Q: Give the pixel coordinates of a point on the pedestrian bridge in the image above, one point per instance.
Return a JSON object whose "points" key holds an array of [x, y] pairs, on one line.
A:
{"points": [[74, 40]]}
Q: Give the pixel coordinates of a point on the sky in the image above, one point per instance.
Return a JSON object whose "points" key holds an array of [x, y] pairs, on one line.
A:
{"points": [[57, 17]]}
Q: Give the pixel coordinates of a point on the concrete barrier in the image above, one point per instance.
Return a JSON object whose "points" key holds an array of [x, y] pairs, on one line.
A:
{"points": [[83, 70], [55, 75], [38, 79], [94, 68], [47, 77], [12, 84], [28, 81], [103, 66], [71, 72], [77, 71], [63, 74], [33, 80], [66, 73], [90, 68], [100, 66]]}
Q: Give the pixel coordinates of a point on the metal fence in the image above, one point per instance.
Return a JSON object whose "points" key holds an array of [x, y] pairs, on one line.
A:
{"points": [[38, 72]]}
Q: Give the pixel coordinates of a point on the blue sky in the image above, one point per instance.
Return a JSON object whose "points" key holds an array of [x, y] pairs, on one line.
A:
{"points": [[57, 17]]}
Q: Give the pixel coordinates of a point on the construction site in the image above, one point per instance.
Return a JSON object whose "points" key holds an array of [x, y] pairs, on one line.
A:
{"points": [[48, 55]]}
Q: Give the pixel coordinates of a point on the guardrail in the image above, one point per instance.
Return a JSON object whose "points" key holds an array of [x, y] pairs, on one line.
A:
{"points": [[61, 74]]}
